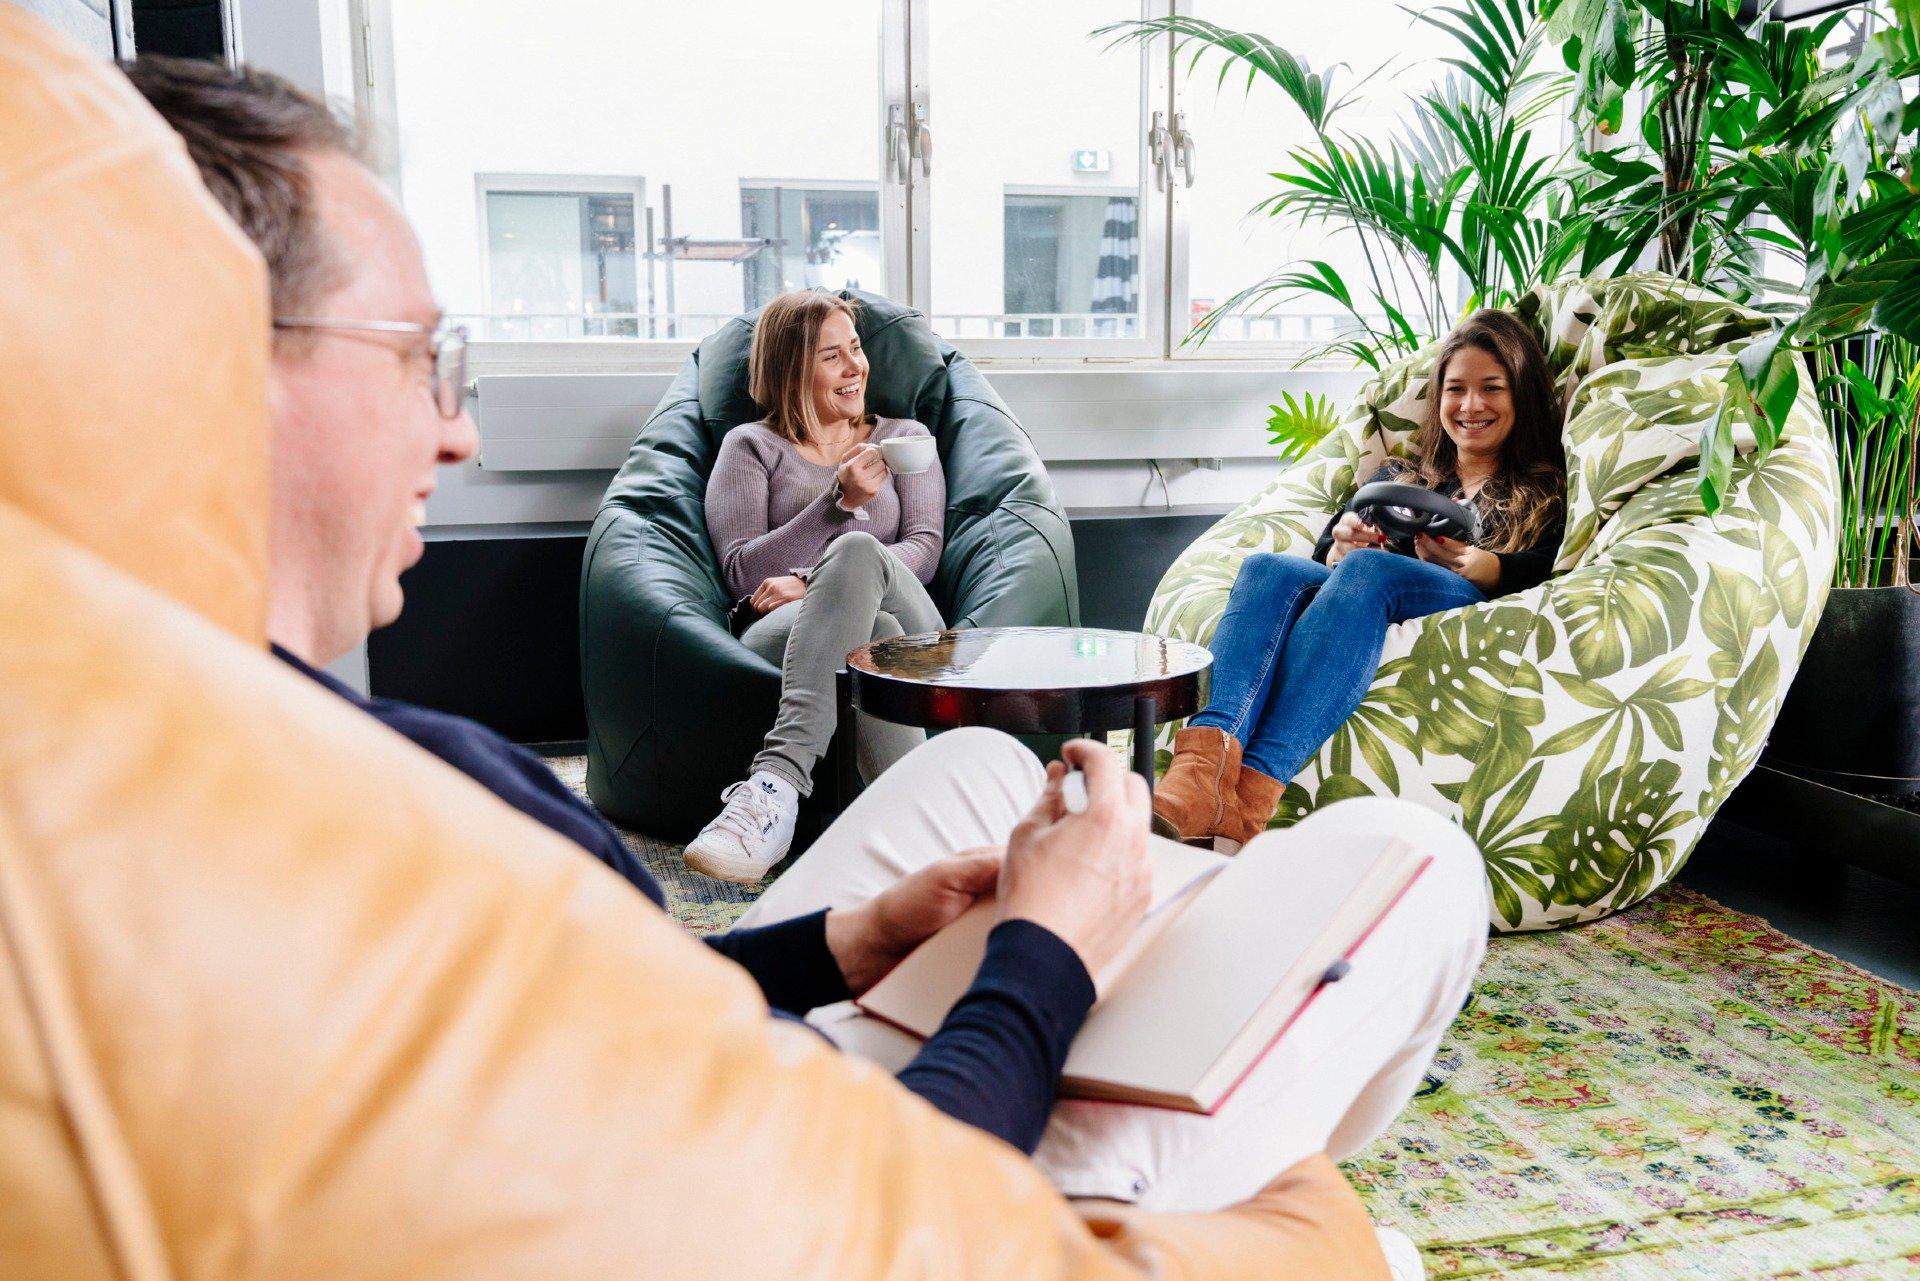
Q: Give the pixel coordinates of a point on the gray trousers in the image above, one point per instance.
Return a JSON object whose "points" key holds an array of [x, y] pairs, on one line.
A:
{"points": [[859, 592]]}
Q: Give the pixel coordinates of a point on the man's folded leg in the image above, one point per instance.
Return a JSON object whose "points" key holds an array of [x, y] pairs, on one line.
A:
{"points": [[1339, 1076], [961, 790]]}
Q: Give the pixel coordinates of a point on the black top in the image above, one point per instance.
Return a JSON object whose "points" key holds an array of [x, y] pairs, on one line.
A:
{"points": [[995, 1063], [1519, 570]]}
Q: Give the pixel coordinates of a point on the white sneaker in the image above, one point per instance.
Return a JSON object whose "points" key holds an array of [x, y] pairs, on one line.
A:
{"points": [[750, 835]]}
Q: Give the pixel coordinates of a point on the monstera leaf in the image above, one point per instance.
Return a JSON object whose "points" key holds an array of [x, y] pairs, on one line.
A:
{"points": [[1785, 575], [1665, 501], [1741, 730], [1791, 482], [1729, 610], [1459, 675], [1631, 608], [1617, 835]]}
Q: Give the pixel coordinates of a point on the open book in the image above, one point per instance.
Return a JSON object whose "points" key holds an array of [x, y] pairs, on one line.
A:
{"points": [[1231, 950]]}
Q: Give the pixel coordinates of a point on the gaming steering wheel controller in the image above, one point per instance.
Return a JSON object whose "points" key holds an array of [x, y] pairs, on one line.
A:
{"points": [[1404, 511]]}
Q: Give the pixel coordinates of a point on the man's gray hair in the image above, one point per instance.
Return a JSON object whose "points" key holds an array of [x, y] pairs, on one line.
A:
{"points": [[249, 132]]}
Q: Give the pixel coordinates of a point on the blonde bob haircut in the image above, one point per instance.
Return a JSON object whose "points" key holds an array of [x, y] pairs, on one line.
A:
{"points": [[780, 366]]}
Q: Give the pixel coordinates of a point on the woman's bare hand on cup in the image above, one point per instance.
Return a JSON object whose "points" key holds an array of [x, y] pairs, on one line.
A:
{"points": [[861, 474]]}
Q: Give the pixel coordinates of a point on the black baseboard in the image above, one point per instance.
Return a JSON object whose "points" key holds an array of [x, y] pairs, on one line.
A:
{"points": [[491, 627], [490, 631]]}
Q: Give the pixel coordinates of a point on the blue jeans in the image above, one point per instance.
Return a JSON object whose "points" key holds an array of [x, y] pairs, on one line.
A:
{"points": [[1300, 643]]}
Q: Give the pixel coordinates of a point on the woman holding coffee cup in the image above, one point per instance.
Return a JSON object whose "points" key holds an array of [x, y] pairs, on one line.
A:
{"points": [[828, 522]]}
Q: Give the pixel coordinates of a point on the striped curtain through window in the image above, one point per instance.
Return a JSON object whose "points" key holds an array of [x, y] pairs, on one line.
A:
{"points": [[1116, 282]]}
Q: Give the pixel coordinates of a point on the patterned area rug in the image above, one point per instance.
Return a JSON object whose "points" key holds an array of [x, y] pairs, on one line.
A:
{"points": [[1679, 1091], [704, 904]]}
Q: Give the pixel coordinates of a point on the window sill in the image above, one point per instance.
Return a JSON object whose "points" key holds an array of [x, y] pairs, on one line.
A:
{"points": [[1161, 409]]}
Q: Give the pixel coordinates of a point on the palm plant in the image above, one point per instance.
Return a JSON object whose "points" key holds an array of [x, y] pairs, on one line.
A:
{"points": [[1749, 142], [1686, 175], [1457, 209], [1705, 81], [1297, 425]]}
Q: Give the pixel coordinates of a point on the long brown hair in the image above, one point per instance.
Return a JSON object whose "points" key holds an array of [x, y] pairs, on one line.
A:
{"points": [[1527, 492], [780, 366]]}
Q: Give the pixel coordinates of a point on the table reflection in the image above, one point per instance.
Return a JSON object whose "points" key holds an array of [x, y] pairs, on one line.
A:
{"points": [[1030, 657]]}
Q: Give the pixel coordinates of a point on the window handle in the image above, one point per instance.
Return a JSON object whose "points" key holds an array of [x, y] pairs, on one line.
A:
{"points": [[1158, 141], [922, 134], [899, 145], [1183, 147]]}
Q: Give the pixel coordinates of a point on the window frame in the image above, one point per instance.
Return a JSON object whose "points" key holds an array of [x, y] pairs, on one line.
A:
{"points": [[1155, 79], [907, 226]]}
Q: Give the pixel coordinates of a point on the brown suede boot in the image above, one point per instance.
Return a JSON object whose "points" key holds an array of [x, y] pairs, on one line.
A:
{"points": [[1190, 803], [1255, 800]]}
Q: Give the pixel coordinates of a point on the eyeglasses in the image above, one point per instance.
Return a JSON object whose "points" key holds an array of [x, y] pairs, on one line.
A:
{"points": [[446, 344]]}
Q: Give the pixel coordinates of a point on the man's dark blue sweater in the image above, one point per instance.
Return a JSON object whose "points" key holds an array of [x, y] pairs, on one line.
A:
{"points": [[995, 1062]]}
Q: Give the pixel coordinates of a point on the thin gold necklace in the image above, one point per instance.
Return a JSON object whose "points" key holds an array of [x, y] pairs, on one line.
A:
{"points": [[839, 446]]}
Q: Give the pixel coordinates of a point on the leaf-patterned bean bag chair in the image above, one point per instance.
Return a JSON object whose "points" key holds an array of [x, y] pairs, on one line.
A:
{"points": [[1584, 731]]}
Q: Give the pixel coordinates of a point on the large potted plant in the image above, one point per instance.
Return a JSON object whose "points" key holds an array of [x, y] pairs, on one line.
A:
{"points": [[1754, 140]]}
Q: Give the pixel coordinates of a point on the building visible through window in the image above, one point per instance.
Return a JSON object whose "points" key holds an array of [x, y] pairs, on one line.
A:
{"points": [[1071, 264], [824, 236], [561, 264]]}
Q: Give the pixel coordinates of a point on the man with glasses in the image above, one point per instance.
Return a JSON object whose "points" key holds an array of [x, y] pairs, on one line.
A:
{"points": [[367, 379], [366, 392]]}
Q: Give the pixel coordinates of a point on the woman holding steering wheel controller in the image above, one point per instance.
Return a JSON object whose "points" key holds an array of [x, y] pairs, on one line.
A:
{"points": [[1301, 639]]}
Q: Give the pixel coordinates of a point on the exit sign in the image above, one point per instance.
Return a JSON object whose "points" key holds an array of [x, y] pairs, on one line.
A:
{"points": [[1089, 161]]}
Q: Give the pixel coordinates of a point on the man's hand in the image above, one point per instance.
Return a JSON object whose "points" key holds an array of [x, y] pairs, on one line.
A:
{"points": [[774, 593], [1083, 876], [861, 474], [869, 940], [1481, 568], [1350, 533]]}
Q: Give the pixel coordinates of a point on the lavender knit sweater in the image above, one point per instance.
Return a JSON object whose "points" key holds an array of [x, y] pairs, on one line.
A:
{"points": [[771, 512]]}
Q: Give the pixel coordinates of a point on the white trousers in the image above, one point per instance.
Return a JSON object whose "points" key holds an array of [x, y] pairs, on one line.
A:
{"points": [[1334, 1082]]}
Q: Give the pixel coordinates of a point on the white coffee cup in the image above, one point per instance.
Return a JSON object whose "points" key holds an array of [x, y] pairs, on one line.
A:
{"points": [[909, 455]]}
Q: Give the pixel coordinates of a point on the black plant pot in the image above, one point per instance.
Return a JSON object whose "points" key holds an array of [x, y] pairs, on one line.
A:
{"points": [[1852, 717]]}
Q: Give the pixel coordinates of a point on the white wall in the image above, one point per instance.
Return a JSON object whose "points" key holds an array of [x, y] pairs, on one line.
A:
{"points": [[84, 21]]}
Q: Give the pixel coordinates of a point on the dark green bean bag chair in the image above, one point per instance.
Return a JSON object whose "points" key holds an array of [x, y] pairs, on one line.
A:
{"points": [[676, 707]]}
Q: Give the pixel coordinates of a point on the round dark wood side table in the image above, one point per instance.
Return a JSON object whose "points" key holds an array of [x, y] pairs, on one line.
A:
{"points": [[1024, 680]]}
